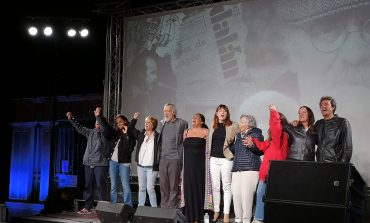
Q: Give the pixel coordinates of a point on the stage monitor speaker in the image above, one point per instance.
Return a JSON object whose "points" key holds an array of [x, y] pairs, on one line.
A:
{"points": [[317, 192], [114, 213], [145, 214], [289, 212]]}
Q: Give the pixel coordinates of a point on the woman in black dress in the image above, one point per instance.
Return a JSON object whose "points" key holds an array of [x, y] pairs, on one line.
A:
{"points": [[195, 169]]}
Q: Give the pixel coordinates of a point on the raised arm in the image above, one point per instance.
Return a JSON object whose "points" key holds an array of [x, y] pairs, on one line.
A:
{"points": [[79, 128], [106, 129], [131, 126], [275, 123]]}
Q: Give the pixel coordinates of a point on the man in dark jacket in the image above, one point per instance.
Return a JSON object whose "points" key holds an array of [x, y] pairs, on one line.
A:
{"points": [[96, 164], [334, 142]]}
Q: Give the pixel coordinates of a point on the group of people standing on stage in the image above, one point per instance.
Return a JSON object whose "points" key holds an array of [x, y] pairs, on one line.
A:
{"points": [[193, 163]]}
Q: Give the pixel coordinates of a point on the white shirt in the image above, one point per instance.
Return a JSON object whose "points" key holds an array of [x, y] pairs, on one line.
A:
{"points": [[146, 153], [115, 152]]}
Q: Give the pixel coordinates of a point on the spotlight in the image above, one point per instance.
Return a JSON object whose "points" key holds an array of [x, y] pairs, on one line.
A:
{"points": [[71, 33], [84, 33], [48, 31], [32, 31]]}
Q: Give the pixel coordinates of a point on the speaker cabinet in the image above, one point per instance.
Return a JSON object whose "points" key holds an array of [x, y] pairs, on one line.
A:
{"points": [[145, 214], [305, 192], [114, 213]]}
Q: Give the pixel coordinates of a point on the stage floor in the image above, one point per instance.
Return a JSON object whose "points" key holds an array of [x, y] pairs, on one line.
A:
{"points": [[66, 217]]}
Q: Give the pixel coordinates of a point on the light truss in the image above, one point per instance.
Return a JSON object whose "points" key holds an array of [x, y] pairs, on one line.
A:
{"points": [[114, 66]]}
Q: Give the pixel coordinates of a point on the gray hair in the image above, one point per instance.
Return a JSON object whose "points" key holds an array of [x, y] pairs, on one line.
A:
{"points": [[172, 106], [252, 123]]}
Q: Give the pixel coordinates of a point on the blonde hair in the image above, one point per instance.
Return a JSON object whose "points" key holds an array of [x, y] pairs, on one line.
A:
{"points": [[152, 120]]}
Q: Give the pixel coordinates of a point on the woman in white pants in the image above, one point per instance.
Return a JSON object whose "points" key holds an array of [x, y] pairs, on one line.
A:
{"points": [[221, 133], [245, 169]]}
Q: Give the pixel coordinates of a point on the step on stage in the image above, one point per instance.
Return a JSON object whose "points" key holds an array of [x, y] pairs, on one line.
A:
{"points": [[65, 217]]}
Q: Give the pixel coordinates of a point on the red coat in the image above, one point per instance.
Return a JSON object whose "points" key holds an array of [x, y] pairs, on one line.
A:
{"points": [[276, 149]]}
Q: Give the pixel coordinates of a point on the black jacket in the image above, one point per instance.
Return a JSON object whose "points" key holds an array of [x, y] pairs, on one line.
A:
{"points": [[126, 141], [334, 142], [301, 143], [140, 135], [246, 159]]}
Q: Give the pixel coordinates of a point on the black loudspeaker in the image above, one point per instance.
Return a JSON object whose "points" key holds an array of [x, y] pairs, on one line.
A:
{"points": [[114, 213], [306, 192], [145, 214]]}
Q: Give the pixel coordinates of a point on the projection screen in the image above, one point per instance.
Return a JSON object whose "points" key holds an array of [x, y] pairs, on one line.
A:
{"points": [[250, 54]]}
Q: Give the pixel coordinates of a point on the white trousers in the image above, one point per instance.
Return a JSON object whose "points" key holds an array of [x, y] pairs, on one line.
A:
{"points": [[220, 169], [243, 187]]}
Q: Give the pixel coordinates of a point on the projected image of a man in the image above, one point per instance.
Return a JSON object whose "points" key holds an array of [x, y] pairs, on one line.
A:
{"points": [[149, 84], [314, 40]]}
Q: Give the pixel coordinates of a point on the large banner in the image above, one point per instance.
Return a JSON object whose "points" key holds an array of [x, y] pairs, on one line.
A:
{"points": [[250, 54]]}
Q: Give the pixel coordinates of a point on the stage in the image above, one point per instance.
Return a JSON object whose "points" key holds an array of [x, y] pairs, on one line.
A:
{"points": [[65, 217]]}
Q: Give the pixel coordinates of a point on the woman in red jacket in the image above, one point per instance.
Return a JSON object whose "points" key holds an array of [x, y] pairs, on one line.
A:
{"points": [[274, 148]]}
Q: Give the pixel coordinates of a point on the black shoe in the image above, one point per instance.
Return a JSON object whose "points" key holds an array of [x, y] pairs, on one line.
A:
{"points": [[215, 221]]}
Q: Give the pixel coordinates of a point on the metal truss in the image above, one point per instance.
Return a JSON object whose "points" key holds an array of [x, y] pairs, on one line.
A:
{"points": [[125, 10], [117, 11], [114, 68]]}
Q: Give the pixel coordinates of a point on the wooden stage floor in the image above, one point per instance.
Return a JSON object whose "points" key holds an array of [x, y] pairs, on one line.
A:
{"points": [[66, 217]]}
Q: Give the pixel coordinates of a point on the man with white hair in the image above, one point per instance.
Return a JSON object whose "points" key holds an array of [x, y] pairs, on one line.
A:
{"points": [[170, 144]]}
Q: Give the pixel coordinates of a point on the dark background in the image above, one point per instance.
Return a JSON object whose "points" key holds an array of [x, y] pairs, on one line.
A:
{"points": [[41, 67], [57, 65]]}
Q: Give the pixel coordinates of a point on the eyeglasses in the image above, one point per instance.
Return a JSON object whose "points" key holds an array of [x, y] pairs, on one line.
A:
{"points": [[329, 37]]}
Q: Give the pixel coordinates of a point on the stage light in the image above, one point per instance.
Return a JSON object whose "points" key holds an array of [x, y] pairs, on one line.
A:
{"points": [[71, 33], [56, 27], [84, 33], [48, 31], [32, 31]]}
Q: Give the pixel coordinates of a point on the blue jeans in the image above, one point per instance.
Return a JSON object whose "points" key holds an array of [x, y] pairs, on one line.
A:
{"points": [[123, 170], [260, 205], [147, 177]]}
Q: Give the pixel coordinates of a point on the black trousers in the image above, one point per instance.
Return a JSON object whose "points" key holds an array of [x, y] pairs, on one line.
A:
{"points": [[94, 176]]}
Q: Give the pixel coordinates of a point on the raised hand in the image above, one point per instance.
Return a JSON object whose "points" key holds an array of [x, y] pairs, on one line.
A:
{"points": [[136, 115], [97, 111], [69, 115], [272, 107]]}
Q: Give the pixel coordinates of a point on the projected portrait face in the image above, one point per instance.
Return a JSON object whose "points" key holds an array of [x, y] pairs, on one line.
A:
{"points": [[149, 83], [314, 43], [333, 51]]}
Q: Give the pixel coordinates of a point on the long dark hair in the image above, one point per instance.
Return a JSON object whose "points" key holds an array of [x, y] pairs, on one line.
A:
{"points": [[125, 120], [227, 122], [311, 118]]}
